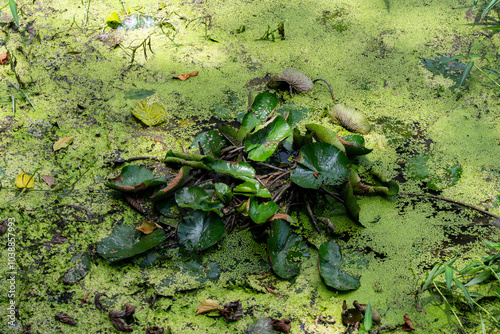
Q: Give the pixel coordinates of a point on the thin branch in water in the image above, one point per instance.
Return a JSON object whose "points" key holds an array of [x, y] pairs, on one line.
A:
{"points": [[334, 195], [329, 87], [279, 177], [311, 215], [271, 166], [383, 328], [121, 161], [281, 192]]}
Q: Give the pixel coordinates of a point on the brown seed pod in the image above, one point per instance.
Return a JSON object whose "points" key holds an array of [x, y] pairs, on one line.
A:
{"points": [[294, 79], [352, 120]]}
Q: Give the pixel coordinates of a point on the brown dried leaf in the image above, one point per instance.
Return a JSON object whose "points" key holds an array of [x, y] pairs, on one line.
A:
{"points": [[62, 143], [129, 310], [186, 75], [233, 311], [183, 172], [349, 118], [97, 302], [120, 324], [4, 58], [271, 290], [49, 180], [63, 317], [3, 226], [207, 306], [282, 325], [408, 325], [279, 216], [134, 201], [154, 330]]}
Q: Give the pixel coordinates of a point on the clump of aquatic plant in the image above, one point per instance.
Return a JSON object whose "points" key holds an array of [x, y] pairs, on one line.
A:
{"points": [[257, 175]]}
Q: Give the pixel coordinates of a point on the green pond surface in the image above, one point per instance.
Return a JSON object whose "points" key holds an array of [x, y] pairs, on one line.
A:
{"points": [[380, 57]]}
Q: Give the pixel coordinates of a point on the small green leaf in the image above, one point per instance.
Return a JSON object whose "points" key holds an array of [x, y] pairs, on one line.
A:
{"points": [[351, 202], [113, 20], [251, 188], [349, 118], [436, 271], [134, 179], [260, 213], [331, 268], [448, 275], [325, 135], [464, 291], [80, 270], [466, 73], [417, 166], [138, 94], [368, 320], [263, 104], [240, 170], [13, 10], [235, 136], [262, 143], [197, 198], [200, 230]]}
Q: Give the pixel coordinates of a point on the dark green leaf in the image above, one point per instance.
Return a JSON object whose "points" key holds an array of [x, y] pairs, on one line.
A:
{"points": [[200, 230], [263, 104], [435, 272], [197, 198], [466, 73], [351, 202], [125, 241], [464, 291], [211, 142], [448, 275], [260, 213], [240, 170], [235, 136], [189, 159], [355, 145], [80, 270], [300, 140], [138, 94], [251, 188], [495, 73], [134, 179], [331, 268], [285, 249], [368, 319], [481, 277], [262, 143], [178, 181], [166, 206], [320, 164], [325, 135], [250, 121], [293, 114], [223, 192]]}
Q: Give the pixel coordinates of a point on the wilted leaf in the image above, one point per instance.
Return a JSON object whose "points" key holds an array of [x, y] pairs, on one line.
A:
{"points": [[330, 267], [325, 135], [207, 306], [282, 325], [151, 114], [147, 227], [200, 230], [134, 179], [4, 58], [125, 241], [233, 311], [262, 143], [62, 143], [260, 326], [49, 180], [285, 249], [351, 202], [80, 270], [116, 318], [63, 317], [320, 164], [297, 80], [178, 181], [24, 181], [352, 120], [156, 330], [186, 75], [408, 324]]}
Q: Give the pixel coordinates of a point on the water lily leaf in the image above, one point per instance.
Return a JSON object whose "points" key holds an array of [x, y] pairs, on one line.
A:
{"points": [[189, 159], [207, 306], [325, 135], [285, 249], [352, 120], [320, 164], [331, 268], [147, 227], [165, 207], [62, 143], [293, 78], [177, 182], [223, 192], [211, 142], [355, 145], [151, 114], [262, 143], [125, 241], [186, 76], [197, 198], [200, 230], [382, 185], [24, 181], [80, 270], [250, 121], [251, 188], [263, 105], [235, 136], [417, 166], [113, 20], [455, 173], [134, 179], [260, 213], [293, 114], [240, 170], [138, 94]]}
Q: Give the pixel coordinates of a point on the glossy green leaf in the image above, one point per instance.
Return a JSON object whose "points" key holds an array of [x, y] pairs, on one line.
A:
{"points": [[197, 198], [134, 179], [260, 213], [200, 230], [223, 192], [286, 250], [138, 94], [351, 202], [325, 135], [189, 159], [263, 104], [448, 275], [165, 207], [240, 170], [250, 121], [331, 268], [368, 319], [125, 241], [262, 143], [211, 142], [177, 182], [320, 164], [149, 114], [80, 270], [300, 140], [293, 114], [355, 145], [252, 188]]}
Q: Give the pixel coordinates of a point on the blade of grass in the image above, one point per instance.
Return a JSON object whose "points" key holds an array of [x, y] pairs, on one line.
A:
{"points": [[483, 328], [481, 277], [495, 73], [464, 291], [446, 301], [368, 318], [448, 275], [433, 274], [466, 73], [487, 9], [13, 10]]}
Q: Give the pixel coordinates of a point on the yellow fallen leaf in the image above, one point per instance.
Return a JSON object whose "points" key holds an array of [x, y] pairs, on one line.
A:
{"points": [[147, 227], [62, 143], [24, 181], [207, 306], [186, 76]]}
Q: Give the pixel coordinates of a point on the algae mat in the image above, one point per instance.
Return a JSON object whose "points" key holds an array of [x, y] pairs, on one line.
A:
{"points": [[72, 78]]}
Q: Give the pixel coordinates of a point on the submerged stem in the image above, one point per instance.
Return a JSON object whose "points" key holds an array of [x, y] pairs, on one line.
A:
{"points": [[329, 87]]}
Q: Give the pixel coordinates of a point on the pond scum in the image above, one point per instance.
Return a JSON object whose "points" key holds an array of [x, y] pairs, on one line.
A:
{"points": [[70, 74]]}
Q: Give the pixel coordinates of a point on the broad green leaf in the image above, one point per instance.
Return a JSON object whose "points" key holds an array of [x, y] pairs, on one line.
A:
{"points": [[368, 319], [250, 121], [325, 135], [262, 143], [125, 241], [80, 270], [197, 198], [134, 179], [189, 159], [285, 249], [260, 213], [251, 188], [355, 145], [200, 230], [223, 192], [13, 10], [331, 268], [211, 142], [320, 164], [448, 275], [165, 207], [235, 136], [263, 104], [293, 114], [464, 291], [151, 114], [240, 170], [178, 181], [138, 94], [466, 73]]}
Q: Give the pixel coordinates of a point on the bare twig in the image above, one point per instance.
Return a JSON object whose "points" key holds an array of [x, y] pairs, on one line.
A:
{"points": [[281, 192], [279, 177], [383, 328], [271, 166], [334, 195], [311, 215], [329, 87]]}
